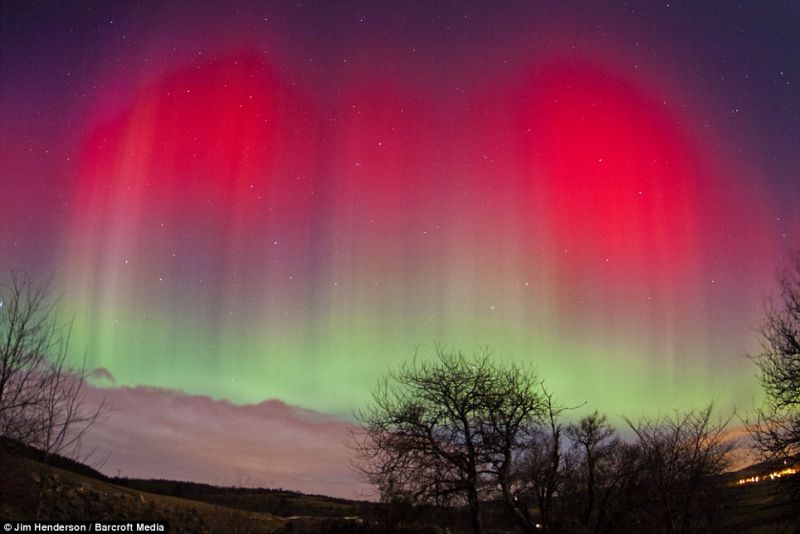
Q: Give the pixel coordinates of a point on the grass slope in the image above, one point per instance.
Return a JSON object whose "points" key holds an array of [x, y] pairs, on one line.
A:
{"points": [[73, 491]]}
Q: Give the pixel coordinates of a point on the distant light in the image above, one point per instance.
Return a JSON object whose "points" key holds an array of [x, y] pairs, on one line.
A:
{"points": [[771, 476]]}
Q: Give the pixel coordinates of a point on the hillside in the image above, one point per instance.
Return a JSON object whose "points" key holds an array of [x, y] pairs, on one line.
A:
{"points": [[66, 495], [74, 491]]}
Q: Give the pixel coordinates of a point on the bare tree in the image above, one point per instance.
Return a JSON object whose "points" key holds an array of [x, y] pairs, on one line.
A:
{"points": [[582, 477], [776, 429], [538, 473], [775, 426], [41, 396], [447, 431], [593, 468], [680, 458], [514, 422]]}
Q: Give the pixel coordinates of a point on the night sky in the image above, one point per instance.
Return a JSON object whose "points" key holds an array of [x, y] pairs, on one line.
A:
{"points": [[269, 204]]}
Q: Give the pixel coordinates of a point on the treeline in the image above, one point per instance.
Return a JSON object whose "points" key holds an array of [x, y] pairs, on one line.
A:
{"points": [[467, 431]]}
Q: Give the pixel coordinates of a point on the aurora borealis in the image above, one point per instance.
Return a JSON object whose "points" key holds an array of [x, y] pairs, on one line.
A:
{"points": [[282, 200]]}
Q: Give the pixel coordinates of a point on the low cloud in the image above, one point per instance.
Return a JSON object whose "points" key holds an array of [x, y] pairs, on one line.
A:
{"points": [[150, 432], [101, 377]]}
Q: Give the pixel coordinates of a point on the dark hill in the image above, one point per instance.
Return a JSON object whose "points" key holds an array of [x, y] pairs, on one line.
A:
{"points": [[69, 490]]}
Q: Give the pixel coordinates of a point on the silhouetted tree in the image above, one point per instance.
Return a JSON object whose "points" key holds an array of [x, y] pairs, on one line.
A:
{"points": [[594, 470], [446, 431], [538, 473], [777, 426], [680, 460], [41, 396]]}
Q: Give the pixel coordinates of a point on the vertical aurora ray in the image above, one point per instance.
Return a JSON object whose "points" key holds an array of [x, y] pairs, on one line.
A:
{"points": [[188, 205], [179, 196], [632, 213], [273, 212]]}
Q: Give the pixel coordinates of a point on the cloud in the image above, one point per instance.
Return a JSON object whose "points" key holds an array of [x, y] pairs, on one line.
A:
{"points": [[160, 433], [102, 376]]}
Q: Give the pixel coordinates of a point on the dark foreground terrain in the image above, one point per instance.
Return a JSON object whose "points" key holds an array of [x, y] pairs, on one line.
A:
{"points": [[66, 490]]}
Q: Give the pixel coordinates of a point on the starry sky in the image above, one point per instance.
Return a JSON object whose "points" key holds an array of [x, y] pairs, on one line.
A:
{"points": [[278, 201]]}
